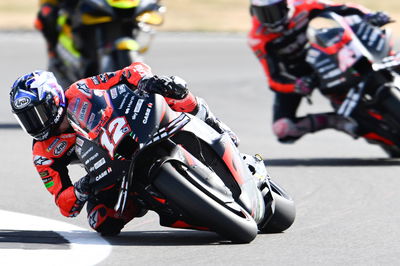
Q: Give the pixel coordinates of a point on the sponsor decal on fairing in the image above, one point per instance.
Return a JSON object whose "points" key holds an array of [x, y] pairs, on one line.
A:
{"points": [[138, 106], [113, 93], [78, 150], [123, 102], [87, 152], [79, 142], [103, 174], [91, 158], [121, 89], [128, 108], [99, 163], [147, 114]]}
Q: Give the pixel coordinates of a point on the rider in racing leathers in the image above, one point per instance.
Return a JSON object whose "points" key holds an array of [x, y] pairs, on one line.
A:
{"points": [[278, 39], [39, 104]]}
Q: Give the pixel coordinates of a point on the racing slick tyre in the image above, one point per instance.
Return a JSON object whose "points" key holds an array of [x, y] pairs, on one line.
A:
{"points": [[392, 151], [284, 214], [227, 219], [391, 103]]}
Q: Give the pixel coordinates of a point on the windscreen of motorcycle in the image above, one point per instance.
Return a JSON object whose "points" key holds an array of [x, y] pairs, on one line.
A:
{"points": [[342, 49], [325, 32]]}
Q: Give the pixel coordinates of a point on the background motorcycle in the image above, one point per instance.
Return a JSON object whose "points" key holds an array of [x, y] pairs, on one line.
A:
{"points": [[104, 35], [176, 165], [356, 70]]}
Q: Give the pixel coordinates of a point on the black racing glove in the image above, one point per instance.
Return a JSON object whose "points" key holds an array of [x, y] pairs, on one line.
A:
{"points": [[172, 87], [305, 85], [378, 18], [82, 189]]}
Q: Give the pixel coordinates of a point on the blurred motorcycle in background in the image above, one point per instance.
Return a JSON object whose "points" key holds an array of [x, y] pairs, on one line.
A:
{"points": [[357, 70], [104, 35]]}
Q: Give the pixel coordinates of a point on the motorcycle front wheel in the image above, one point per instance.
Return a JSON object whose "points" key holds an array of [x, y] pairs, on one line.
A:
{"points": [[284, 211], [232, 223]]}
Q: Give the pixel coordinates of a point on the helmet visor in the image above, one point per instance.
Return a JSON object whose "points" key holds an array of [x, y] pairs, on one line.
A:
{"points": [[271, 14], [36, 119]]}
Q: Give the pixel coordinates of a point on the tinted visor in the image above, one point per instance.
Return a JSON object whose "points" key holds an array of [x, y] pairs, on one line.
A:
{"points": [[271, 14], [36, 119]]}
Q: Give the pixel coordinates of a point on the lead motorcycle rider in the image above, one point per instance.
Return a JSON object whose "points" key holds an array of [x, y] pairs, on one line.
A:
{"points": [[40, 106], [278, 39]]}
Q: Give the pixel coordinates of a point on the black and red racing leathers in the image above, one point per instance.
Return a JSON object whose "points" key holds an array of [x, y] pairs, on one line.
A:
{"points": [[52, 156], [282, 54]]}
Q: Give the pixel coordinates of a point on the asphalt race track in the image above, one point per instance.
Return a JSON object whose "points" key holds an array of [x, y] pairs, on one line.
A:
{"points": [[346, 191]]}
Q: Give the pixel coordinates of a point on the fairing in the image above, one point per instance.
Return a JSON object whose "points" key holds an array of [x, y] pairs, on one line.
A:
{"points": [[119, 119], [342, 49]]}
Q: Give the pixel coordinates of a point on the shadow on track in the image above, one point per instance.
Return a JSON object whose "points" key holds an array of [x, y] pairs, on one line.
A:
{"points": [[30, 239], [166, 238], [333, 162], [10, 126]]}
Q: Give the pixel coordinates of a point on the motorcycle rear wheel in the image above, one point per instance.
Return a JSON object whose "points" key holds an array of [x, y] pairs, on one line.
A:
{"points": [[391, 104], [239, 227]]}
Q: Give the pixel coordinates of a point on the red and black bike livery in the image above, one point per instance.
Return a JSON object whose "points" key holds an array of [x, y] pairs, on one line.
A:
{"points": [[357, 70], [175, 164]]}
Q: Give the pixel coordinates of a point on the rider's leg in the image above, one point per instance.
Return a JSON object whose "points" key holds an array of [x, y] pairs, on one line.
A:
{"points": [[288, 128], [203, 112], [292, 130], [284, 116]]}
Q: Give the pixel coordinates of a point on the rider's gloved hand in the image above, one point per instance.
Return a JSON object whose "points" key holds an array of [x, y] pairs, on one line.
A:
{"points": [[172, 87], [82, 189], [378, 18], [304, 85]]}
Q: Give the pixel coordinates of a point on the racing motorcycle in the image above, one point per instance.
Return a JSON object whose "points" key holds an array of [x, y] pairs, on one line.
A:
{"points": [[357, 70], [116, 33], [176, 165]]}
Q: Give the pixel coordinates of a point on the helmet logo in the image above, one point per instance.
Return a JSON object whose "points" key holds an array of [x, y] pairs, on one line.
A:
{"points": [[22, 102]]}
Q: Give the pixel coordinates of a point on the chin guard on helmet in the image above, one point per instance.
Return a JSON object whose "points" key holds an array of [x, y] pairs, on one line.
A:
{"points": [[271, 13], [38, 103]]}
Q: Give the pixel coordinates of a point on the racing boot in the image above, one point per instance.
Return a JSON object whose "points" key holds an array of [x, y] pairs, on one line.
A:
{"points": [[203, 112], [288, 131]]}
